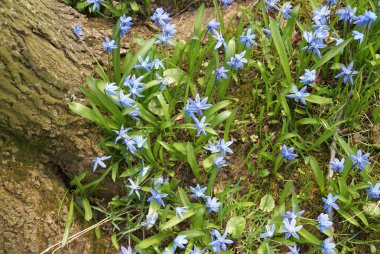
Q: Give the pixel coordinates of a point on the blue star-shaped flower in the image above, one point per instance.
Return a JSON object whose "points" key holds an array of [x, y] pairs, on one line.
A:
{"points": [[288, 153], [327, 246], [198, 105], [321, 14], [267, 33], [125, 25], [237, 62], [271, 4], [220, 73], [212, 205], [293, 250], [180, 242], [157, 197], [96, 3], [150, 220], [337, 165], [224, 147], [99, 161], [299, 95], [219, 40], [109, 45], [347, 73], [292, 214], [358, 36], [330, 203], [219, 162], [360, 160], [269, 232], [134, 187], [291, 229], [125, 100], [308, 77], [323, 222], [180, 210], [226, 3], [160, 17], [144, 64], [124, 250], [248, 39], [78, 31], [110, 88], [373, 191], [366, 20], [195, 250], [212, 26], [347, 14], [198, 191], [286, 10], [220, 243], [200, 125]]}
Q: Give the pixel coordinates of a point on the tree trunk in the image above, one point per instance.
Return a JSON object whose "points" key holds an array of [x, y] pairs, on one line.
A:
{"points": [[41, 66]]}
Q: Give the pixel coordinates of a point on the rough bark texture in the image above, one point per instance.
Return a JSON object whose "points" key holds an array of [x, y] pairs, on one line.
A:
{"points": [[41, 65], [42, 144]]}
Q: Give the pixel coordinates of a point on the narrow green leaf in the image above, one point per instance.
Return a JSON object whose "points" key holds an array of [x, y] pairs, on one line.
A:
{"points": [[87, 209], [278, 42], [69, 221], [318, 173], [333, 52], [176, 220], [153, 240], [192, 160], [309, 237]]}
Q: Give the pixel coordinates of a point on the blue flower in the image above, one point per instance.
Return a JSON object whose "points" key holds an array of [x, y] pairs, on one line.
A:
{"points": [[271, 4], [99, 161], [130, 145], [125, 100], [110, 88], [157, 197], [269, 233], [124, 250], [299, 95], [212, 205], [219, 40], [78, 31], [198, 105], [224, 147], [267, 33], [321, 33], [220, 73], [140, 141], [293, 250], [125, 25], [135, 112], [169, 30], [321, 14], [248, 39], [122, 133], [308, 77], [327, 247], [168, 251], [237, 61], [292, 214], [180, 241], [347, 73], [330, 203], [366, 20], [288, 153], [160, 17], [226, 3], [313, 44], [144, 170], [219, 162], [347, 14], [134, 188], [158, 181], [150, 220], [165, 40], [337, 165], [291, 229], [338, 41], [212, 147], [323, 222], [200, 125], [220, 242], [134, 85], [195, 250], [144, 64], [286, 10], [212, 26], [156, 64], [373, 191], [96, 3], [331, 2], [180, 210], [360, 160], [109, 45], [358, 36], [198, 191]]}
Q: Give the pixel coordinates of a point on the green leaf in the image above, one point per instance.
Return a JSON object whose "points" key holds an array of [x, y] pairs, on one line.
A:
{"points": [[114, 241], [348, 217], [69, 221], [153, 240], [192, 160], [116, 53], [183, 196], [235, 226], [318, 99], [267, 203], [278, 42], [84, 111], [198, 20], [333, 52], [309, 237], [176, 220], [360, 215], [318, 173], [87, 209]]}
